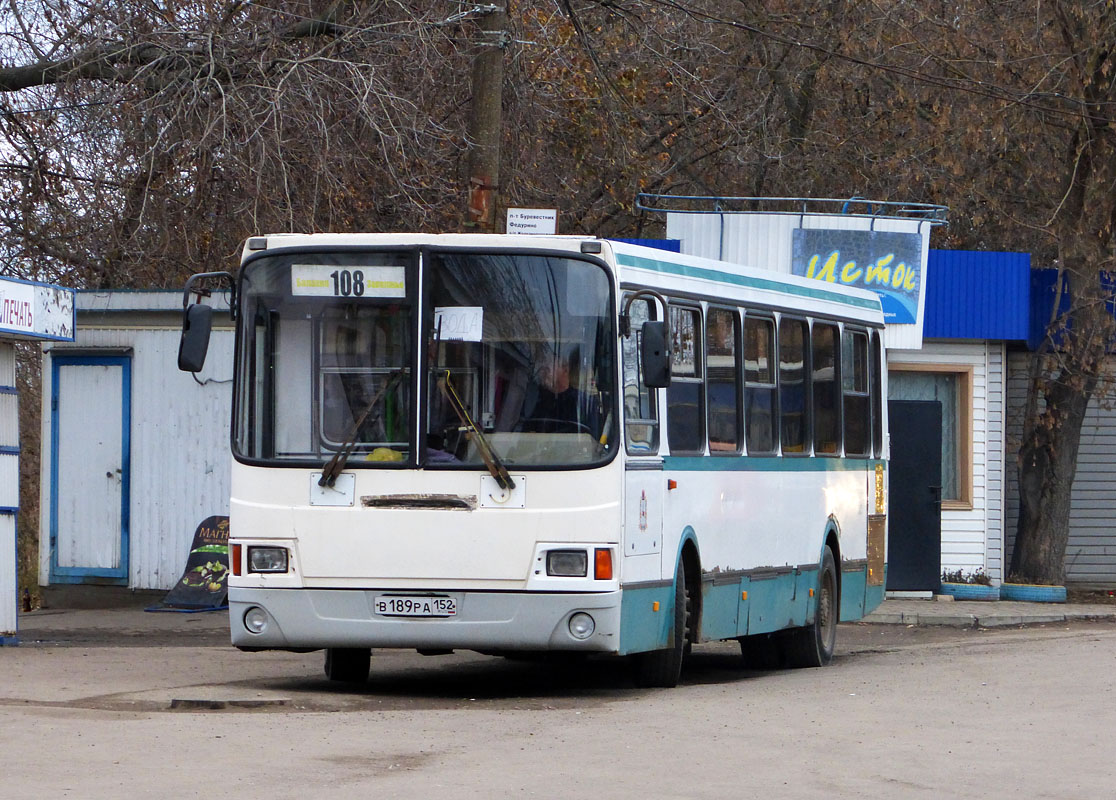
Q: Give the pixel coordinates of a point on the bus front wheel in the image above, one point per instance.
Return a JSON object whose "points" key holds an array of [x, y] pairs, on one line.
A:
{"points": [[348, 664], [662, 668]]}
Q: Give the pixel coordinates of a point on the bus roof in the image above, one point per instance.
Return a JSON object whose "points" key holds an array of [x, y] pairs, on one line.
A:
{"points": [[635, 264]]}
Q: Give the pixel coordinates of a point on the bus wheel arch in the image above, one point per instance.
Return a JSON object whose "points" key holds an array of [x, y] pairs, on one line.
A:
{"points": [[814, 644], [663, 668], [691, 566], [833, 542]]}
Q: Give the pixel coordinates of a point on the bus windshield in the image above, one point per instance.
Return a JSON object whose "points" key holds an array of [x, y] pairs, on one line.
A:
{"points": [[511, 350]]}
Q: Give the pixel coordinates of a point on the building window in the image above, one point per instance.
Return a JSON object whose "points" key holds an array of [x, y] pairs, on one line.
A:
{"points": [[952, 387]]}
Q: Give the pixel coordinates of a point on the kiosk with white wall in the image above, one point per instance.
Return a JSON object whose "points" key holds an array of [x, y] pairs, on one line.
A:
{"points": [[28, 312], [121, 499]]}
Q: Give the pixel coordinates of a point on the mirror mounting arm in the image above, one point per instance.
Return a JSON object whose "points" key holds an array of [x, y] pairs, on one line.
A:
{"points": [[192, 288], [625, 316]]}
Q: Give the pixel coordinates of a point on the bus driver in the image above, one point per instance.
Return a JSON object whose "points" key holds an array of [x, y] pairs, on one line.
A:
{"points": [[560, 406]]}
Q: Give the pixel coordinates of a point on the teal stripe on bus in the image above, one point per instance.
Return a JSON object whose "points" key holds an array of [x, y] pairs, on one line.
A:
{"points": [[767, 464], [685, 270]]}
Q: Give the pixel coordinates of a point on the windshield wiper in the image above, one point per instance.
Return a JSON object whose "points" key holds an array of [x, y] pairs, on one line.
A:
{"points": [[335, 465], [487, 454]]}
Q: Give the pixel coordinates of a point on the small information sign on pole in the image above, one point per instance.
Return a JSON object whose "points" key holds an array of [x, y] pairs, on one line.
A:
{"points": [[536, 221]]}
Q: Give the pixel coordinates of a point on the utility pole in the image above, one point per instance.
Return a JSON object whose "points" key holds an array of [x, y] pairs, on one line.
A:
{"points": [[485, 126]]}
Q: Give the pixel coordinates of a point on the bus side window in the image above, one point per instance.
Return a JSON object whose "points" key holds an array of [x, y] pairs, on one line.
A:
{"points": [[878, 368], [759, 385], [793, 406], [854, 385], [641, 414], [825, 389], [722, 332], [686, 394]]}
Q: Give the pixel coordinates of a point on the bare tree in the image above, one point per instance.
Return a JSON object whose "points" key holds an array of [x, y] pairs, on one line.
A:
{"points": [[143, 143]]}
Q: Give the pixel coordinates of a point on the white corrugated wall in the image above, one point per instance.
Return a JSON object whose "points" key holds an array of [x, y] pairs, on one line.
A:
{"points": [[972, 537], [179, 471], [1091, 548], [995, 453]]}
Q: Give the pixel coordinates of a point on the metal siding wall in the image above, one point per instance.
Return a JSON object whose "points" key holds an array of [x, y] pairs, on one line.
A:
{"points": [[9, 419], [9, 481], [9, 580], [977, 295], [180, 453], [7, 365], [1091, 549], [965, 533], [179, 447], [764, 241], [994, 480]]}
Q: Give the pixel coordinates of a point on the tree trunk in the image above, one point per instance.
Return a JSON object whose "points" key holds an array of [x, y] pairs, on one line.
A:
{"points": [[1047, 465], [485, 124]]}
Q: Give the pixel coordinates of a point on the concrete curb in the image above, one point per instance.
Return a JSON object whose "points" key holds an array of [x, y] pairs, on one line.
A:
{"points": [[977, 614]]}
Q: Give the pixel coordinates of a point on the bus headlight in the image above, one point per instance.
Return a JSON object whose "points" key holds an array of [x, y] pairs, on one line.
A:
{"points": [[255, 619], [267, 559], [567, 563], [582, 625]]}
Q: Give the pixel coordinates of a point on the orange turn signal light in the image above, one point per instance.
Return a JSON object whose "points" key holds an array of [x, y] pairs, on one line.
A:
{"points": [[236, 560], [602, 564]]}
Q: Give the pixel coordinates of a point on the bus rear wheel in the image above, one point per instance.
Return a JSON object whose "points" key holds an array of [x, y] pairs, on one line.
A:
{"points": [[662, 668], [348, 664], [813, 645]]}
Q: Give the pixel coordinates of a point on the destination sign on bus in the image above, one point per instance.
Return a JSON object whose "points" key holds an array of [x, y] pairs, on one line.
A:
{"points": [[324, 280]]}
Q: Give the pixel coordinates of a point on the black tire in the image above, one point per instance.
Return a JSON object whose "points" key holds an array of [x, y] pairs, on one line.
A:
{"points": [[662, 668], [348, 664], [813, 645]]}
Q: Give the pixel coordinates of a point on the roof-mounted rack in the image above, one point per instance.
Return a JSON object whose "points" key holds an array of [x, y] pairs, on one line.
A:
{"points": [[802, 206]]}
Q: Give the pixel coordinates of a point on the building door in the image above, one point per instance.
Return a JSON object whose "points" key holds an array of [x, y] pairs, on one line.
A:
{"points": [[914, 546], [90, 427]]}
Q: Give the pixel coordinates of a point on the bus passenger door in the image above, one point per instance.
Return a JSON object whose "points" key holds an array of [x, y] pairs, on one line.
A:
{"points": [[643, 466], [643, 512]]}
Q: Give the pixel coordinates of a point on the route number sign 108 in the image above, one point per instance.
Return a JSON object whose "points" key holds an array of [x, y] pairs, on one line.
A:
{"points": [[321, 280]]}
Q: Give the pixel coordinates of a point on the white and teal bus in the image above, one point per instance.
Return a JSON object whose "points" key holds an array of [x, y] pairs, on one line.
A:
{"points": [[527, 444]]}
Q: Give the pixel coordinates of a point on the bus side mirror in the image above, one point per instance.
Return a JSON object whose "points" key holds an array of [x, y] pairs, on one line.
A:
{"points": [[655, 354], [197, 322]]}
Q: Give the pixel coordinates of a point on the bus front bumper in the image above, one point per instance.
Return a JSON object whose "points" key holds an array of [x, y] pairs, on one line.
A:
{"points": [[485, 621]]}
